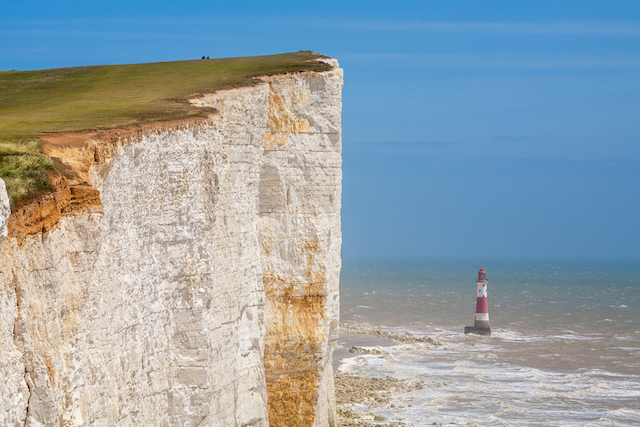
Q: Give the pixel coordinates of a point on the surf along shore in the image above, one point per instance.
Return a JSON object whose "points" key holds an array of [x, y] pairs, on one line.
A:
{"points": [[368, 400]]}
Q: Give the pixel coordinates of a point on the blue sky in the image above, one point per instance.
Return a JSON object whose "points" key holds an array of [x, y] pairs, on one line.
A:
{"points": [[470, 128]]}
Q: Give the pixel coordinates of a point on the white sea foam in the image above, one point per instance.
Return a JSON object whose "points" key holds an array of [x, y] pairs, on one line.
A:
{"points": [[469, 388], [462, 368], [513, 336], [632, 415], [579, 337], [626, 338]]}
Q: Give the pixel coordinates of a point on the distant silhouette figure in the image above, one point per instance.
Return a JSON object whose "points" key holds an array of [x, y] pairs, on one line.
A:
{"points": [[203, 57], [207, 57]]}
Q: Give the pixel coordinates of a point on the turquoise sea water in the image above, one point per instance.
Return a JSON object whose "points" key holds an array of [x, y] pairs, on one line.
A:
{"points": [[565, 349]]}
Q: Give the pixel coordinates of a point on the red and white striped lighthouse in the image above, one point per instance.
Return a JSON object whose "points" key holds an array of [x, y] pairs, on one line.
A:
{"points": [[481, 324]]}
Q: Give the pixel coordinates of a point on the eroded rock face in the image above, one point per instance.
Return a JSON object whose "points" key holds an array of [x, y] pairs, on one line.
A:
{"points": [[299, 207], [204, 288]]}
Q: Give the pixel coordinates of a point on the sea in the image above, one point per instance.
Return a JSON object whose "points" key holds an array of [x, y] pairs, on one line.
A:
{"points": [[564, 349]]}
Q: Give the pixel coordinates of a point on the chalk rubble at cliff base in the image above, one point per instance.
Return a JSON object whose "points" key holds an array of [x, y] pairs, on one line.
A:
{"points": [[363, 397], [203, 290]]}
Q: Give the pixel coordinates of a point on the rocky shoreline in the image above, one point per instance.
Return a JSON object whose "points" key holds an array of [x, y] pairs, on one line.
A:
{"points": [[352, 389], [377, 331], [354, 392]]}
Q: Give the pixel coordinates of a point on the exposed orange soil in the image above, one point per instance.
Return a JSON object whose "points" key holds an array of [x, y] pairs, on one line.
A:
{"points": [[44, 212]]}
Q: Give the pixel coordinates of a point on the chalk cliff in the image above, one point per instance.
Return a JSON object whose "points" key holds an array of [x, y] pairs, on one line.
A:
{"points": [[195, 282]]}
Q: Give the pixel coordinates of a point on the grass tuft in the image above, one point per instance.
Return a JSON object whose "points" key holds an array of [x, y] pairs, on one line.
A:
{"points": [[25, 175], [20, 147]]}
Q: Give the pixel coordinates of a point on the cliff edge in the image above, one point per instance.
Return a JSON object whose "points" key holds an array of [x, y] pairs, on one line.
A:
{"points": [[193, 280]]}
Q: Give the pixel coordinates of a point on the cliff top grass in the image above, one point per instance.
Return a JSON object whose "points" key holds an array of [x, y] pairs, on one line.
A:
{"points": [[34, 103]]}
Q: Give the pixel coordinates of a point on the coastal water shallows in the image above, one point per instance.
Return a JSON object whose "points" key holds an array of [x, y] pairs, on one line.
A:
{"points": [[565, 349]]}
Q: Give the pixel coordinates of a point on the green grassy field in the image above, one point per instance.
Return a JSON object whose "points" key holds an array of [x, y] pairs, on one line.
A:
{"points": [[111, 96]]}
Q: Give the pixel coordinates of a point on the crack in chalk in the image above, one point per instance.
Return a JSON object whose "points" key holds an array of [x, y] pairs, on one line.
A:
{"points": [[26, 411], [253, 422]]}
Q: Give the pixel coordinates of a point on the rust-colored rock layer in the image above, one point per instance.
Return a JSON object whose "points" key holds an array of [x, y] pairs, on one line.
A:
{"points": [[292, 344], [43, 213]]}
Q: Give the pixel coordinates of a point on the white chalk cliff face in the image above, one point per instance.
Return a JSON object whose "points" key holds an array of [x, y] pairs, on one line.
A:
{"points": [[204, 290]]}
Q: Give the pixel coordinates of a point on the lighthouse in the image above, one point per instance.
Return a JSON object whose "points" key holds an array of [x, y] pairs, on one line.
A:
{"points": [[481, 324]]}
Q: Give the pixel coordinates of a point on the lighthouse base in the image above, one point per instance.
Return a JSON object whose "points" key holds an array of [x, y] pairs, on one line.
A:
{"points": [[479, 327]]}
